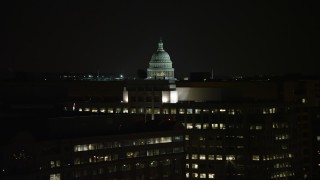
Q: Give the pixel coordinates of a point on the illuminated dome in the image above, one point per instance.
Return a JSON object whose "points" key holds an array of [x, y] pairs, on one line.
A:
{"points": [[160, 55], [160, 65]]}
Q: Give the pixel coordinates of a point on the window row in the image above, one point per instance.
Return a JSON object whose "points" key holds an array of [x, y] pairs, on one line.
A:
{"points": [[121, 168], [204, 126], [200, 175], [157, 110], [278, 125], [127, 155], [212, 157], [282, 174], [281, 137], [126, 143], [268, 110], [271, 157], [282, 165]]}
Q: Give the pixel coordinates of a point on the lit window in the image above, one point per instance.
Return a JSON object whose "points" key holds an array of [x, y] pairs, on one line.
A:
{"points": [[148, 110], [166, 140], [198, 126], [230, 157], [56, 176], [194, 156], [187, 166], [52, 164], [219, 157], [107, 158], [195, 175], [211, 175], [211, 157], [156, 140], [222, 126], [205, 126], [165, 99], [231, 112], [186, 137], [83, 147], [272, 110], [197, 111], [205, 110], [103, 110], [92, 146], [215, 126], [189, 111], [129, 154], [194, 166], [203, 175], [187, 175], [87, 109], [141, 110], [255, 157], [222, 110], [189, 126], [125, 110], [214, 111], [274, 125], [282, 137], [133, 110], [165, 111], [265, 111], [181, 111], [95, 110], [80, 109], [156, 111], [173, 111], [303, 100], [187, 156], [202, 157], [110, 110], [57, 163]]}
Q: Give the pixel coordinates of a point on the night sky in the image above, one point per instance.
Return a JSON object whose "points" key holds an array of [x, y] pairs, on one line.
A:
{"points": [[232, 37]]}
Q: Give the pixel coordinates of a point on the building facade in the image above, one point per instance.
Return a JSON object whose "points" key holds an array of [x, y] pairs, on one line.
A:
{"points": [[97, 147]]}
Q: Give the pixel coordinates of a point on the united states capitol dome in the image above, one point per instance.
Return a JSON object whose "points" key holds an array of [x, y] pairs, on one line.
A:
{"points": [[160, 55], [160, 65]]}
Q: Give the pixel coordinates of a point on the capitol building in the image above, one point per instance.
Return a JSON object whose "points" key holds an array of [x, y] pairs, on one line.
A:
{"points": [[160, 65]]}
